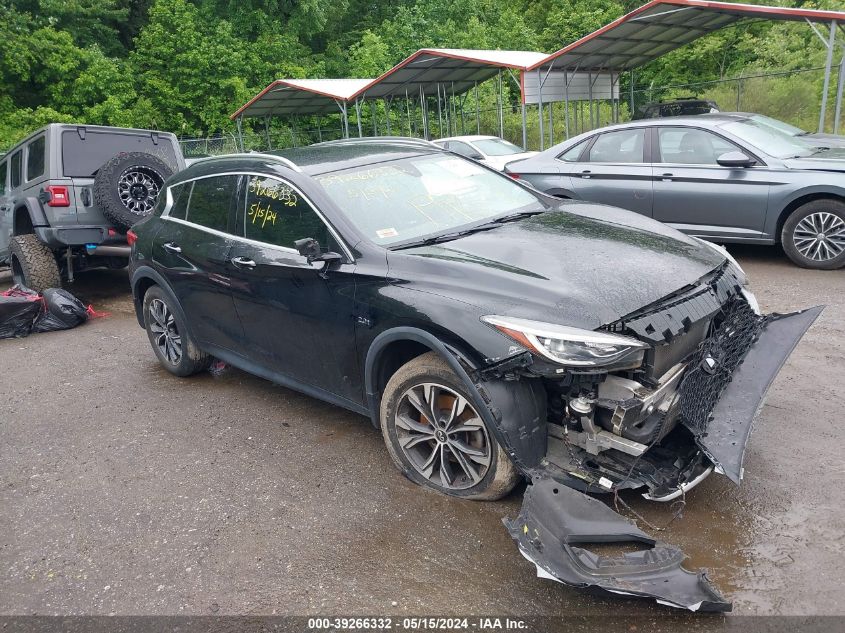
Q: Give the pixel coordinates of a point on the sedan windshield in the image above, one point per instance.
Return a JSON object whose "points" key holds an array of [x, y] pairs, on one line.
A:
{"points": [[778, 125], [427, 195], [497, 147], [769, 139]]}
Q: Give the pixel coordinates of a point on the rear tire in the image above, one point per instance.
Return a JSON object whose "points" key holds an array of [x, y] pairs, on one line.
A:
{"points": [[174, 346], [33, 263], [802, 233], [418, 447]]}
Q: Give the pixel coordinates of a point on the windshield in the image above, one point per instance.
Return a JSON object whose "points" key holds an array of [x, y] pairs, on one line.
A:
{"points": [[778, 125], [771, 140], [497, 147], [413, 197]]}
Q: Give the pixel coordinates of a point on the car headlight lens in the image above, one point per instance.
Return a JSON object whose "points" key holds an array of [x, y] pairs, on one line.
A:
{"points": [[571, 346]]}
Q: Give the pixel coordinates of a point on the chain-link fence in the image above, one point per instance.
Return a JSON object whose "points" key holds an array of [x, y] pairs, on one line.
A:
{"points": [[793, 96]]}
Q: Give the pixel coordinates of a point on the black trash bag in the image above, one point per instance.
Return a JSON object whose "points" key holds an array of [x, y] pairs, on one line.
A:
{"points": [[62, 311], [19, 309]]}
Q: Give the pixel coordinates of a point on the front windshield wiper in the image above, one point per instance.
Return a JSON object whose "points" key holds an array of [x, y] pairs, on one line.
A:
{"points": [[443, 237], [515, 216], [486, 226]]}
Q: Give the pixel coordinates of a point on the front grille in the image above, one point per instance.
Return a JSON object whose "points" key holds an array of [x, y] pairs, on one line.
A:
{"points": [[736, 329]]}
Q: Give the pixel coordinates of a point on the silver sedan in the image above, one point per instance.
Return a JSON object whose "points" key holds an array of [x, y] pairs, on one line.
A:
{"points": [[726, 177]]}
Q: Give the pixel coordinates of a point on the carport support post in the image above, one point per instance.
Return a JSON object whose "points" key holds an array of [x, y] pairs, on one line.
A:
{"points": [[840, 85], [424, 112], [827, 67], [439, 114], [345, 121], [240, 127], [566, 101], [540, 108], [267, 131], [632, 95], [501, 108], [408, 111], [387, 113], [477, 113], [375, 118], [358, 117]]}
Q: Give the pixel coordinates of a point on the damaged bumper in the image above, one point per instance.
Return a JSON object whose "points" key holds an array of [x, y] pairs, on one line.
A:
{"points": [[556, 526], [739, 384]]}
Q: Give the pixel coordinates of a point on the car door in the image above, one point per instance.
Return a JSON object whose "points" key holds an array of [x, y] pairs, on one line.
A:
{"points": [[297, 316], [612, 170], [695, 194], [191, 251]]}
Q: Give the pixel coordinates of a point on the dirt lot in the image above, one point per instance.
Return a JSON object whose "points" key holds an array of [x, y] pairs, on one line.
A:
{"points": [[126, 490]]}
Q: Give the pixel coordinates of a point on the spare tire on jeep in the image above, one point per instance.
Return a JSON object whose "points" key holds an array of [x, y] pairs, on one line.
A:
{"points": [[126, 187]]}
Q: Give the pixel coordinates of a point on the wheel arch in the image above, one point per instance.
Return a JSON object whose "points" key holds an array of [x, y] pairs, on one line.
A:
{"points": [[143, 278], [800, 201], [28, 214], [514, 411], [393, 348]]}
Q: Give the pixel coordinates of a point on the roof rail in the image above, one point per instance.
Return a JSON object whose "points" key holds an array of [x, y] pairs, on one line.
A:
{"points": [[397, 140], [274, 157]]}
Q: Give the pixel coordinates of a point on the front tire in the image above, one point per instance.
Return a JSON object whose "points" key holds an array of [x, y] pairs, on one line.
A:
{"points": [[813, 235], [436, 437], [172, 343], [33, 263]]}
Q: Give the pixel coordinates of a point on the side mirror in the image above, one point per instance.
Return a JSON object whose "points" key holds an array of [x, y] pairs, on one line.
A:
{"points": [[735, 159], [476, 156], [309, 248]]}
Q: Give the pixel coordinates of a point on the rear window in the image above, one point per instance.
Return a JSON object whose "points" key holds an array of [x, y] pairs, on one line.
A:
{"points": [[15, 168], [81, 158], [211, 202], [35, 159]]}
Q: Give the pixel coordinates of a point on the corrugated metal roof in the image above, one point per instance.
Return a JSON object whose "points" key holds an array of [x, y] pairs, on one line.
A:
{"points": [[301, 96], [456, 69], [661, 26], [631, 41]]}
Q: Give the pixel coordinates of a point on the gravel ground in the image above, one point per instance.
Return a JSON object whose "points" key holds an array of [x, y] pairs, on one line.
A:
{"points": [[125, 490]]}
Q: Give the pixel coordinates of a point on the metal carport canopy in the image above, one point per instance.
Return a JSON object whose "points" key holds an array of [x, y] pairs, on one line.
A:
{"points": [[661, 26], [457, 69], [301, 96]]}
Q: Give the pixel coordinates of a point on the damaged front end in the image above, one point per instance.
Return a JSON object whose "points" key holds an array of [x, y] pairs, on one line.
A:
{"points": [[683, 408]]}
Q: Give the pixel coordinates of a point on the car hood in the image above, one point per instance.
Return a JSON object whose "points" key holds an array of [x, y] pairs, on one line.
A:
{"points": [[582, 265], [825, 140], [830, 160]]}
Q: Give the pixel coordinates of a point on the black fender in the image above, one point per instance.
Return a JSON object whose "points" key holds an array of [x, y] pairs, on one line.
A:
{"points": [[515, 410], [36, 213], [146, 272]]}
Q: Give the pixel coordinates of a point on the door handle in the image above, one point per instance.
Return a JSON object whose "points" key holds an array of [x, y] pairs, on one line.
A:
{"points": [[666, 177], [170, 246], [585, 173], [243, 262]]}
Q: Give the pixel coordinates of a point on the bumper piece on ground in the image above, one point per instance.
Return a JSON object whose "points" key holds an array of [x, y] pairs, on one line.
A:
{"points": [[555, 527], [739, 375]]}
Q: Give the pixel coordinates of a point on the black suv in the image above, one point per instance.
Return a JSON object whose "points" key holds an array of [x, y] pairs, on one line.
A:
{"points": [[682, 106], [68, 193], [491, 332]]}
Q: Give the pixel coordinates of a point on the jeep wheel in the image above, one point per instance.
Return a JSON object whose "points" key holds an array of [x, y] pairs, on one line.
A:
{"points": [[172, 343], [33, 264], [813, 235], [127, 186], [436, 437]]}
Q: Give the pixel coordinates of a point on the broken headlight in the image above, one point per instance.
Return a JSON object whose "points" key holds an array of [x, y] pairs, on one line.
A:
{"points": [[571, 346]]}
